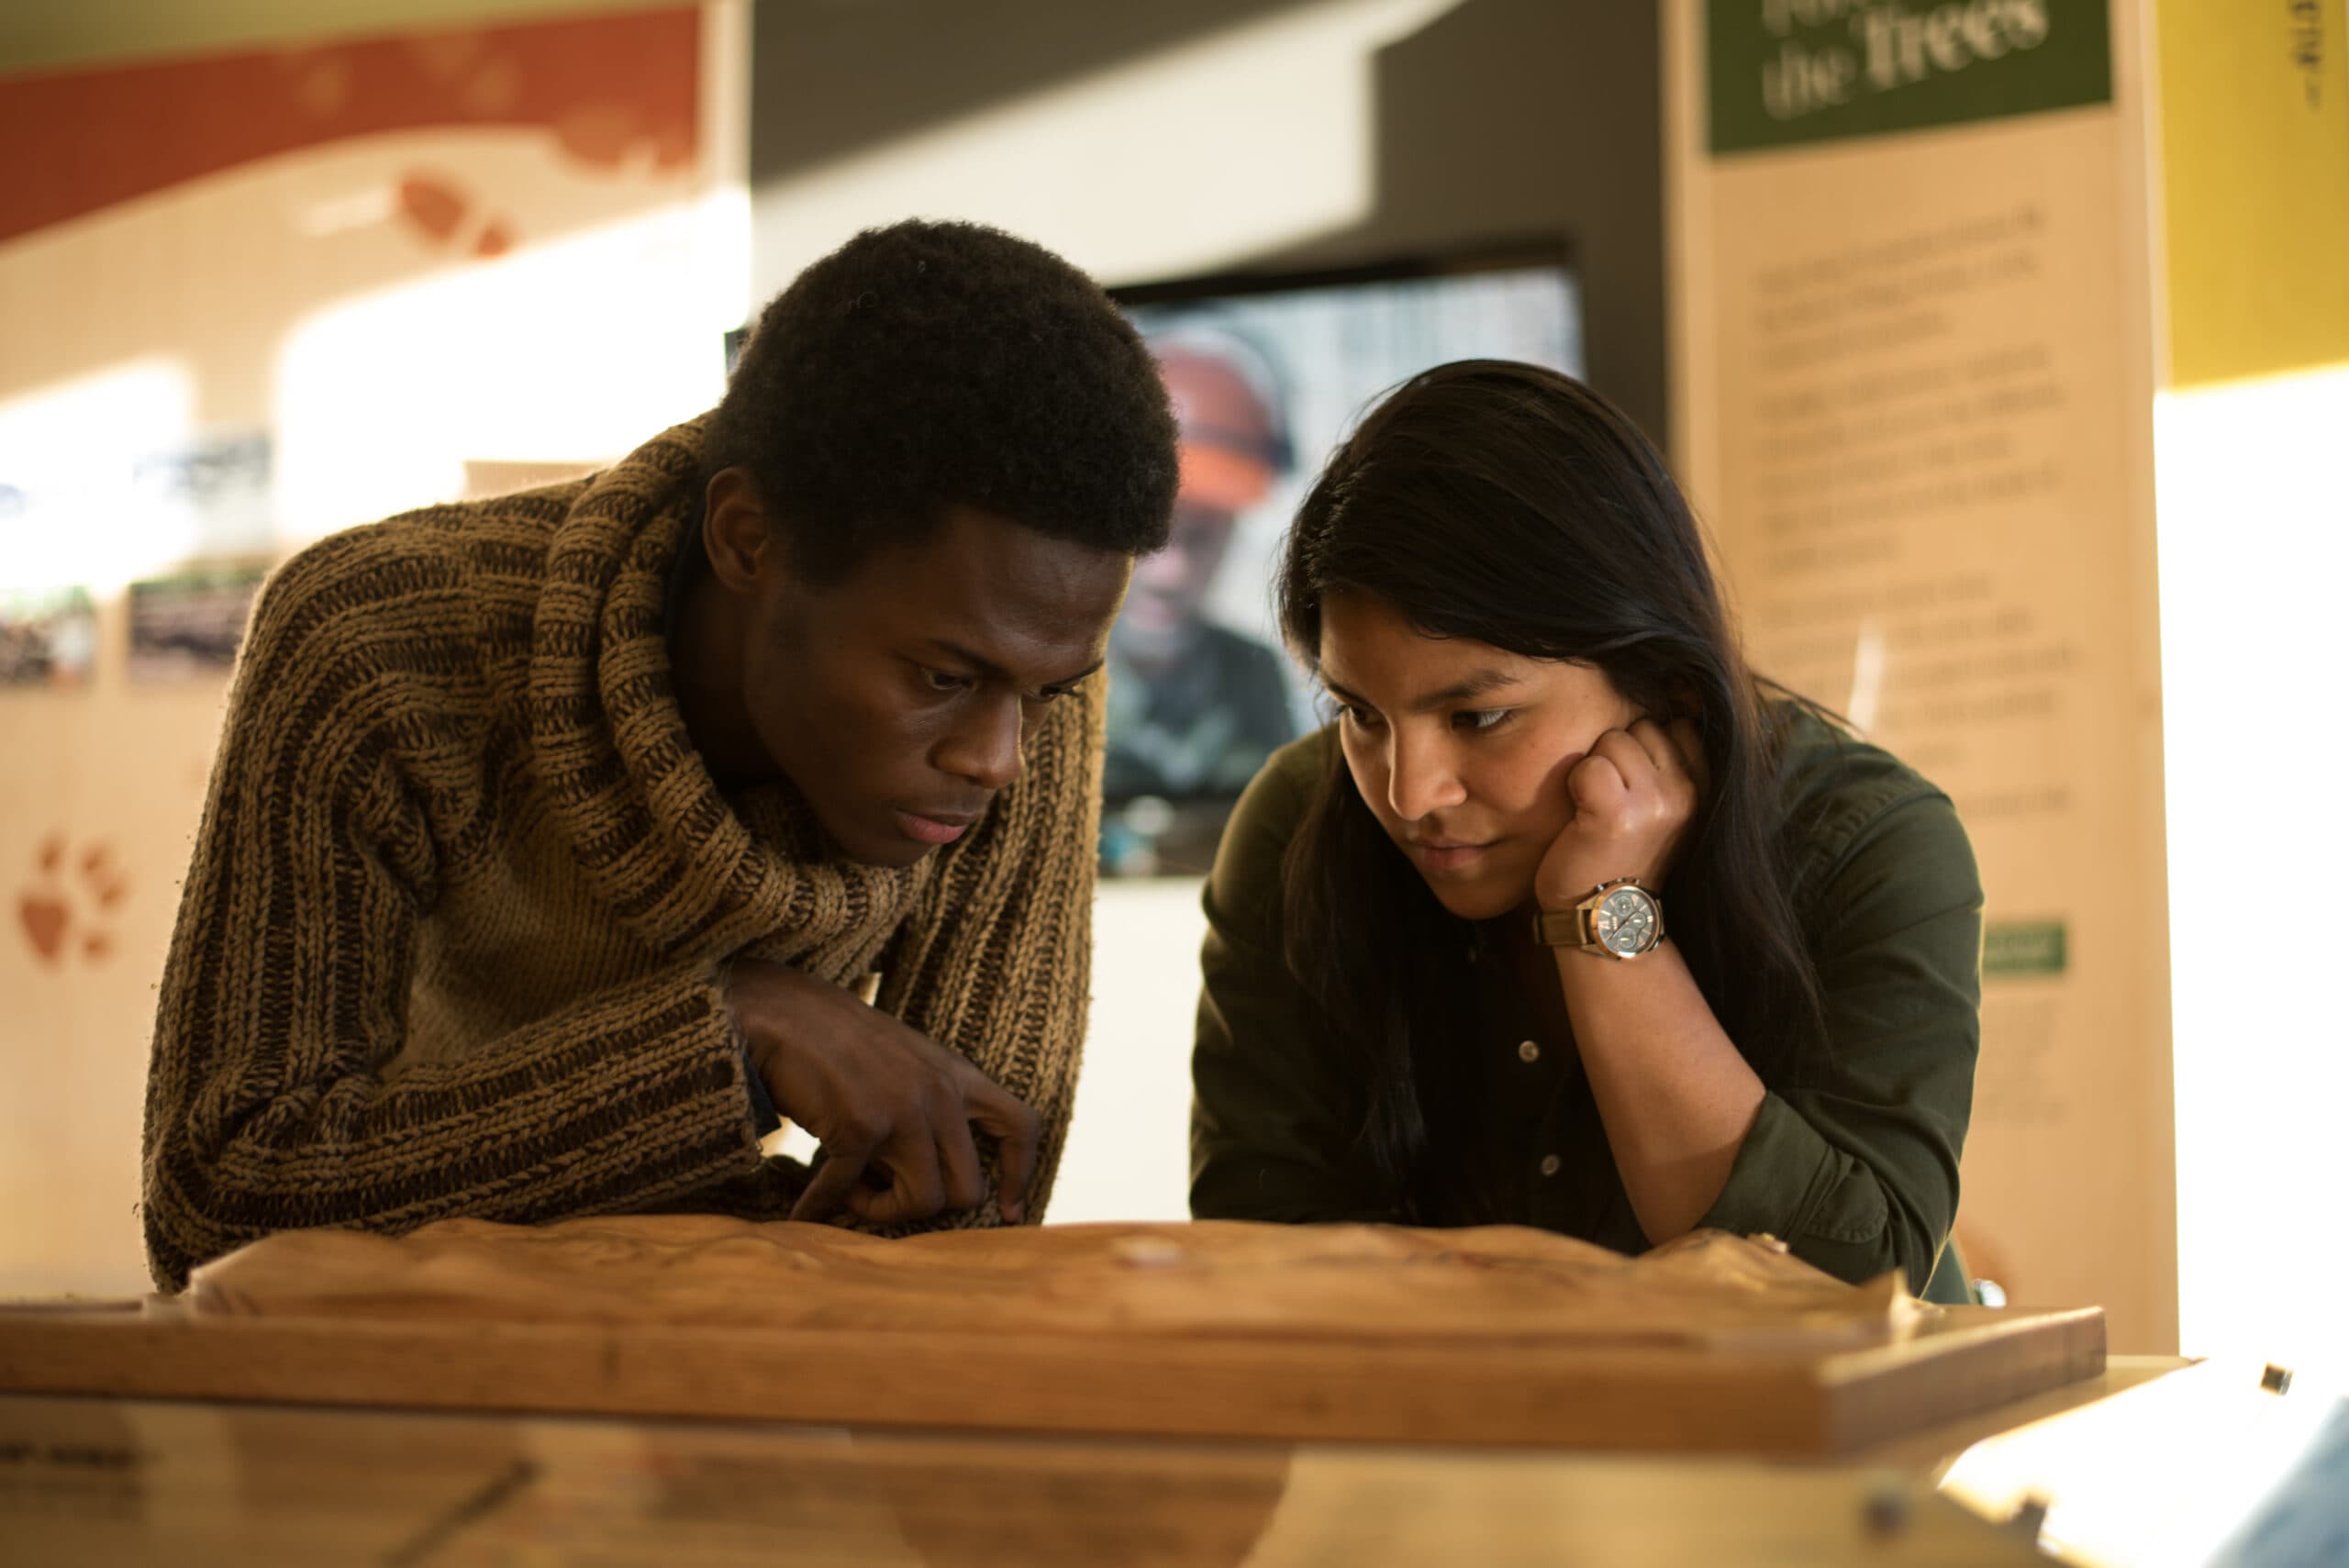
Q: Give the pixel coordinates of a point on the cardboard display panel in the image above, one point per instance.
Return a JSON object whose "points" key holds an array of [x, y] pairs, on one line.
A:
{"points": [[1915, 362]]}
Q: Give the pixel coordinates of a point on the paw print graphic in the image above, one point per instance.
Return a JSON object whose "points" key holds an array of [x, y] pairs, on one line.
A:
{"points": [[65, 910], [444, 215], [601, 133]]}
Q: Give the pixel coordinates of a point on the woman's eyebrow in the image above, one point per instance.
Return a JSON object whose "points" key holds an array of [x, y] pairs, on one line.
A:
{"points": [[1476, 684]]}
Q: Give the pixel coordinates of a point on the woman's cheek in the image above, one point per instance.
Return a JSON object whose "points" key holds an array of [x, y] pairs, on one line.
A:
{"points": [[1369, 777], [1524, 776]]}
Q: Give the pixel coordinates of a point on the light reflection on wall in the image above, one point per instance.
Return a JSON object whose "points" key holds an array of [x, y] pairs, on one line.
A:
{"points": [[78, 516], [2255, 555], [577, 349], [1187, 161]]}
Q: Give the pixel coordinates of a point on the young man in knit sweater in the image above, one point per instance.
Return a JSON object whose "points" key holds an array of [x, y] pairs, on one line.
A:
{"points": [[550, 835]]}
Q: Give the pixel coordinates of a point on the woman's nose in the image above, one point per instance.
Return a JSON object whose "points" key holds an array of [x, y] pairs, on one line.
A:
{"points": [[1422, 778]]}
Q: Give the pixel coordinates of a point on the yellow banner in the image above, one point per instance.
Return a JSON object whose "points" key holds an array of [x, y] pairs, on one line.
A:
{"points": [[2255, 179]]}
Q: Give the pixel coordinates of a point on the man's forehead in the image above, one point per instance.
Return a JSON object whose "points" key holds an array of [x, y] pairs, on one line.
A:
{"points": [[999, 594], [969, 545]]}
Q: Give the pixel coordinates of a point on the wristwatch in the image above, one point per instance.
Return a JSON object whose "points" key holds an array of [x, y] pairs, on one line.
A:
{"points": [[1619, 918]]}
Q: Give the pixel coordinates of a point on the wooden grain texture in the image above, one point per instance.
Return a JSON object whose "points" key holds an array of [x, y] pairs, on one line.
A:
{"points": [[89, 1481], [1002, 1344], [1377, 1283], [1929, 1451]]}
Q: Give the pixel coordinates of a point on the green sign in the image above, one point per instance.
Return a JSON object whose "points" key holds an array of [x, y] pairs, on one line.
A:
{"points": [[1783, 73], [2022, 947]]}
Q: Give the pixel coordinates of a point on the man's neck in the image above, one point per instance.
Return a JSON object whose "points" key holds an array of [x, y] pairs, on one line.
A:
{"points": [[706, 661]]}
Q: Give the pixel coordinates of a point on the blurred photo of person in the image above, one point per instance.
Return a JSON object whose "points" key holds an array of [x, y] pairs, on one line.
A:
{"points": [[1194, 706]]}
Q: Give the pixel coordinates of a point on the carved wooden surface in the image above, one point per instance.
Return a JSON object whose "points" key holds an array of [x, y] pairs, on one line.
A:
{"points": [[1494, 1335], [1365, 1283]]}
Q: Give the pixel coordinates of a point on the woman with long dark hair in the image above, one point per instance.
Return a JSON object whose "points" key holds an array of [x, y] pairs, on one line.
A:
{"points": [[1570, 919]]}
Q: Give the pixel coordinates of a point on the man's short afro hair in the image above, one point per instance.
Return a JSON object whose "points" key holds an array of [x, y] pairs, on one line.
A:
{"points": [[926, 365]]}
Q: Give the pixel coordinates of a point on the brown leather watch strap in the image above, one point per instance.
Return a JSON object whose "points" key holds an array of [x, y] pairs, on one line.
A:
{"points": [[1561, 928]]}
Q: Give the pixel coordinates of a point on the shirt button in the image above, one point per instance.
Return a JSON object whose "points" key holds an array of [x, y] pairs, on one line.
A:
{"points": [[1528, 1051], [1548, 1164]]}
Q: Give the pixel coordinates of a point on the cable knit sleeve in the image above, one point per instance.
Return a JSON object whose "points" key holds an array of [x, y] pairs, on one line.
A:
{"points": [[285, 998]]}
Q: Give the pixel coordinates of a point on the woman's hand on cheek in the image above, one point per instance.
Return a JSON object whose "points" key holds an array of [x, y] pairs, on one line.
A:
{"points": [[1633, 795]]}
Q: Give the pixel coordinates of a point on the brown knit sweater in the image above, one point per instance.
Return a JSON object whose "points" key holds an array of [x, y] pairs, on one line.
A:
{"points": [[451, 936]]}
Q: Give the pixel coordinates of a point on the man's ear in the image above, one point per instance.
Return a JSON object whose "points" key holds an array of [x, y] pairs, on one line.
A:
{"points": [[741, 542]]}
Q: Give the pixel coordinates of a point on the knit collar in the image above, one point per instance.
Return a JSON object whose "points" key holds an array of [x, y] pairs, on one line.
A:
{"points": [[688, 869]]}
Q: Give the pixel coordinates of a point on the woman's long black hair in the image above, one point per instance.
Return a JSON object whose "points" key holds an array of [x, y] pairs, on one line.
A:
{"points": [[1513, 506]]}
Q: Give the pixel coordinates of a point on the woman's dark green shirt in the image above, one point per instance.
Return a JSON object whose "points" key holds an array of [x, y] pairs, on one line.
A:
{"points": [[1853, 1165]]}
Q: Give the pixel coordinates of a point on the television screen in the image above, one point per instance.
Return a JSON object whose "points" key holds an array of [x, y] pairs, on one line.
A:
{"points": [[1267, 373]]}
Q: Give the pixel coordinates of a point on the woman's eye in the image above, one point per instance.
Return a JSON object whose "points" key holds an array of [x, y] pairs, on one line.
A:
{"points": [[1478, 721], [939, 680], [1361, 717], [1049, 695]]}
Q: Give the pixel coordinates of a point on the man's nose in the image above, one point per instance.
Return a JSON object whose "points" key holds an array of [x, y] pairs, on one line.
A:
{"points": [[985, 748]]}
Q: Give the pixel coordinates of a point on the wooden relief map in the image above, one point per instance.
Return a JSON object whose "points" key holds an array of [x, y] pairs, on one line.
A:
{"points": [[1498, 1334]]}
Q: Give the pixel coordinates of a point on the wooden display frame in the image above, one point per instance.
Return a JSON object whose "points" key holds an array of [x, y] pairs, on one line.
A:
{"points": [[1789, 1404], [400, 1337]]}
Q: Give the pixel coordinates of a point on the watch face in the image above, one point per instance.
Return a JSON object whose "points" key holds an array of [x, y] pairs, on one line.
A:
{"points": [[1624, 921]]}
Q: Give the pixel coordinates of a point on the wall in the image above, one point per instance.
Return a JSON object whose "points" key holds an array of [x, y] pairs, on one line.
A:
{"points": [[1147, 142], [49, 37], [248, 299]]}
